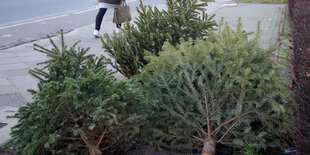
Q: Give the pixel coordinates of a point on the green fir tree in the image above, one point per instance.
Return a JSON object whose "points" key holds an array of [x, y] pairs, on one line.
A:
{"points": [[79, 107], [222, 90], [183, 19]]}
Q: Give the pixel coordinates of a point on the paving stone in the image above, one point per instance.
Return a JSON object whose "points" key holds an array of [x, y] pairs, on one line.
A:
{"points": [[32, 65], [10, 60], [4, 81], [14, 72], [9, 122], [268, 14], [6, 55], [8, 89], [23, 83], [15, 100], [34, 58], [28, 53], [16, 66]]}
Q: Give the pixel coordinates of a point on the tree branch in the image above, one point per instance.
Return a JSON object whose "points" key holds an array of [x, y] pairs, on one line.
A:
{"points": [[73, 118], [71, 138], [105, 148], [218, 128], [198, 139], [101, 137], [227, 132], [208, 117]]}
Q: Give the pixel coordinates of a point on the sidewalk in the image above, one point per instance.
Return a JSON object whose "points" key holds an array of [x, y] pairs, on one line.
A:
{"points": [[270, 16], [16, 62]]}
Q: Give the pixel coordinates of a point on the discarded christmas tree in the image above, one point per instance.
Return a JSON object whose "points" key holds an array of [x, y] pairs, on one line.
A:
{"points": [[79, 107], [224, 90], [183, 19]]}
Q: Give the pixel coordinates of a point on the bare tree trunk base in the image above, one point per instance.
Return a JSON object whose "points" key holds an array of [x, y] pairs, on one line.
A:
{"points": [[94, 152], [209, 147]]}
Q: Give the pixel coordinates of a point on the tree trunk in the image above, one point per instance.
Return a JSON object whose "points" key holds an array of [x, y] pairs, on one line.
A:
{"points": [[209, 147], [93, 151]]}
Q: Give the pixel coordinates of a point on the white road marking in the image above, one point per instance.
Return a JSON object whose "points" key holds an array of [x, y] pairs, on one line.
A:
{"points": [[6, 36], [234, 4]]}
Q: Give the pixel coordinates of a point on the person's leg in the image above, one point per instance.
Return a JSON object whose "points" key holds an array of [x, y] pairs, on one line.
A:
{"points": [[118, 25], [99, 18], [118, 28]]}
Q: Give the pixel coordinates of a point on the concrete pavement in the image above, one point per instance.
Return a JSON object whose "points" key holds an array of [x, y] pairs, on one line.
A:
{"points": [[15, 62], [270, 16], [5, 129]]}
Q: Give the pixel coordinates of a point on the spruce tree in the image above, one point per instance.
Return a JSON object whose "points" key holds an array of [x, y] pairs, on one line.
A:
{"points": [[222, 90], [79, 107], [183, 19]]}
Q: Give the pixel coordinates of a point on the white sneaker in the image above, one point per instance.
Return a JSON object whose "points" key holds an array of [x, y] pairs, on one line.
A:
{"points": [[118, 30], [96, 34]]}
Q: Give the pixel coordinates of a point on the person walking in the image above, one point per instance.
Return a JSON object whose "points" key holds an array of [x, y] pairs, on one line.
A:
{"points": [[104, 5]]}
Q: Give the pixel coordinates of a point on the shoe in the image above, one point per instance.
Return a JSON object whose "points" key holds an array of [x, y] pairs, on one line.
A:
{"points": [[96, 34], [118, 30]]}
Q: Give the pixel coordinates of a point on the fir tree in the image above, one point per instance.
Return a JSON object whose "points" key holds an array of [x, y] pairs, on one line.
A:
{"points": [[224, 90], [79, 107], [183, 19]]}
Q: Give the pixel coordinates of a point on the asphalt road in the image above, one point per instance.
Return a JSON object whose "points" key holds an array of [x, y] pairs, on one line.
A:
{"points": [[13, 10], [57, 16]]}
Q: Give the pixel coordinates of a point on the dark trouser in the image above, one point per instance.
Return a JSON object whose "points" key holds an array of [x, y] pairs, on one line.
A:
{"points": [[99, 18]]}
